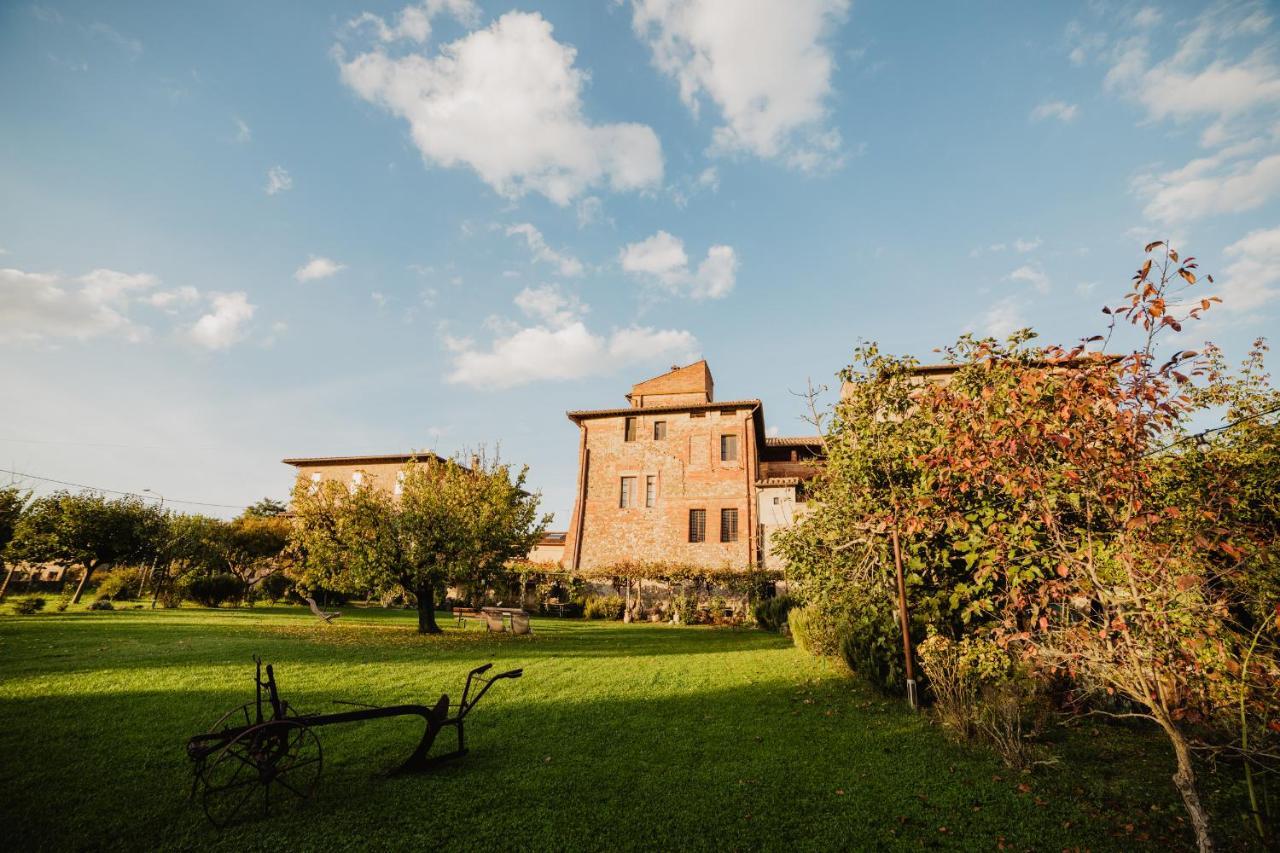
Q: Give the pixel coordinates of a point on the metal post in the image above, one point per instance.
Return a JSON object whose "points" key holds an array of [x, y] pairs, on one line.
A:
{"points": [[912, 698]]}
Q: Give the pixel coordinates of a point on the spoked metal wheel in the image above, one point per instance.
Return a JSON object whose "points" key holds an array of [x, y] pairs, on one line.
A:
{"points": [[276, 761]]}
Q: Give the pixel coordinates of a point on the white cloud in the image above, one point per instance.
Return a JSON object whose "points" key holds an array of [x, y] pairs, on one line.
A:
{"points": [[1055, 109], [1204, 76], [1228, 182], [318, 268], [772, 432], [560, 347], [590, 211], [414, 22], [764, 65], [224, 324], [549, 305], [661, 259], [278, 180], [243, 133], [40, 307], [1003, 319], [565, 263], [378, 299], [506, 101], [167, 299], [1148, 16], [1025, 246], [130, 45], [1033, 275], [708, 180], [1252, 278]]}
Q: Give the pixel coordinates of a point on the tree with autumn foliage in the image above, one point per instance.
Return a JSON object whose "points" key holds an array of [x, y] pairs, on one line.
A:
{"points": [[1052, 498], [449, 524]]}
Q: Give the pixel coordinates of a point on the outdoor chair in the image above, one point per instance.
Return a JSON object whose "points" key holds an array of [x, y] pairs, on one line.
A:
{"points": [[520, 623], [493, 621], [327, 615]]}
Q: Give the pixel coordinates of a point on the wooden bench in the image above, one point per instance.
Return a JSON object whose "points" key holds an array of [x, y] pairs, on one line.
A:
{"points": [[462, 614]]}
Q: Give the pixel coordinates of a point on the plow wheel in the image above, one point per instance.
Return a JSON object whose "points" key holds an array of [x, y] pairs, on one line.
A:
{"points": [[268, 763]]}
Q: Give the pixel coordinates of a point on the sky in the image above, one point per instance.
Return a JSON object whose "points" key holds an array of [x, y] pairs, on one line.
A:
{"points": [[236, 232]]}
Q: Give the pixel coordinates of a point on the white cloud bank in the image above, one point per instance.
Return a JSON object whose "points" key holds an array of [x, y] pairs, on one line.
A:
{"points": [[44, 307], [1033, 275], [1252, 278], [506, 101], [559, 346], [1060, 110], [318, 268], [661, 259], [565, 264], [765, 65]]}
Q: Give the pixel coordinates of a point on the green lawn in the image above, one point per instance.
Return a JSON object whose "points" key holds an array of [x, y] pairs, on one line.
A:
{"points": [[617, 737]]}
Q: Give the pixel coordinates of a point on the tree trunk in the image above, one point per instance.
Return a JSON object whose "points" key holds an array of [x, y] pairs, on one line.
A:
{"points": [[1185, 781], [626, 607], [426, 595], [157, 583], [84, 581], [8, 576]]}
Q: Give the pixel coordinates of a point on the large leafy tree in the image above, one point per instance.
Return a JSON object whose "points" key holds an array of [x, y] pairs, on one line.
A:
{"points": [[449, 524], [249, 547], [88, 531], [12, 502]]}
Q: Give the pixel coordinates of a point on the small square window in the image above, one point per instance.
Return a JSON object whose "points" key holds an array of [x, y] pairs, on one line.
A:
{"points": [[627, 492], [697, 414], [777, 501], [629, 433], [728, 448], [697, 525], [659, 430]]}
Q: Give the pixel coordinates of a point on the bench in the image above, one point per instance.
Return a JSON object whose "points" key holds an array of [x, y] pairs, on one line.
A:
{"points": [[462, 614]]}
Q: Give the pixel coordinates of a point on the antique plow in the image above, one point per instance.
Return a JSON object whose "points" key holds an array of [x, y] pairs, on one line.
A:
{"points": [[253, 755]]}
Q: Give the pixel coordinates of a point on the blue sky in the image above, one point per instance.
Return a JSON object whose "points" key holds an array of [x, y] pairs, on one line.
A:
{"points": [[243, 231]]}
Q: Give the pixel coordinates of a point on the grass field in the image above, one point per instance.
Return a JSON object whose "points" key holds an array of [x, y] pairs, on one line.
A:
{"points": [[617, 737]]}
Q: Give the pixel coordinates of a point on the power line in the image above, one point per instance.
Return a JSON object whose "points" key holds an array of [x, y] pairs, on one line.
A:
{"points": [[116, 491], [1200, 435]]}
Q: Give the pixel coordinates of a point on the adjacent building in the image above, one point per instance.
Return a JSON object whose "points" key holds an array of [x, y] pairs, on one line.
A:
{"points": [[385, 471], [677, 476]]}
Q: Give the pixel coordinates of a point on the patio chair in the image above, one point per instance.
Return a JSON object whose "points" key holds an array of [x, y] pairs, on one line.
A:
{"points": [[493, 621], [327, 615], [520, 623]]}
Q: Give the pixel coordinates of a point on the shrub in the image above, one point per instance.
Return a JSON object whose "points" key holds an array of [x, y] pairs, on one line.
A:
{"points": [[871, 646], [820, 629], [121, 585], [213, 590], [603, 607], [29, 606], [102, 604], [277, 586], [772, 612], [684, 606]]}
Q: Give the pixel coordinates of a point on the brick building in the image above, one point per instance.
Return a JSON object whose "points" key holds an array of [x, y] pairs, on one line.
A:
{"points": [[677, 476], [381, 470]]}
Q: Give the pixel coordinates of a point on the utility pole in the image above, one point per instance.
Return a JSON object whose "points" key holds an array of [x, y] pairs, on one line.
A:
{"points": [[912, 698]]}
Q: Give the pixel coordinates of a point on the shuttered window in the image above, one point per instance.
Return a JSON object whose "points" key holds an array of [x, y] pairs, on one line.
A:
{"points": [[728, 448], [650, 490], [627, 493], [697, 525], [630, 430], [659, 430], [728, 525]]}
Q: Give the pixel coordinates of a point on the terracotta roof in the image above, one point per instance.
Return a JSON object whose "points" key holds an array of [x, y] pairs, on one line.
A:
{"points": [[366, 457], [794, 441], [649, 410], [777, 481], [553, 538]]}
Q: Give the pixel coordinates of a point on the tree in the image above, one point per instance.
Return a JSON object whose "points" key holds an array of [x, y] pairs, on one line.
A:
{"points": [[86, 530], [266, 508], [449, 524], [249, 547], [12, 502]]}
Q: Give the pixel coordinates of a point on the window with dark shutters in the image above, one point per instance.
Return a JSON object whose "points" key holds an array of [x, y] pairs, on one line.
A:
{"points": [[728, 448], [728, 525], [629, 430], [659, 430], [650, 490], [627, 493], [697, 525]]}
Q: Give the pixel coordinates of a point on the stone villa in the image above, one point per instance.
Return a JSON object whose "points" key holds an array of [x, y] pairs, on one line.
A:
{"points": [[678, 476]]}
